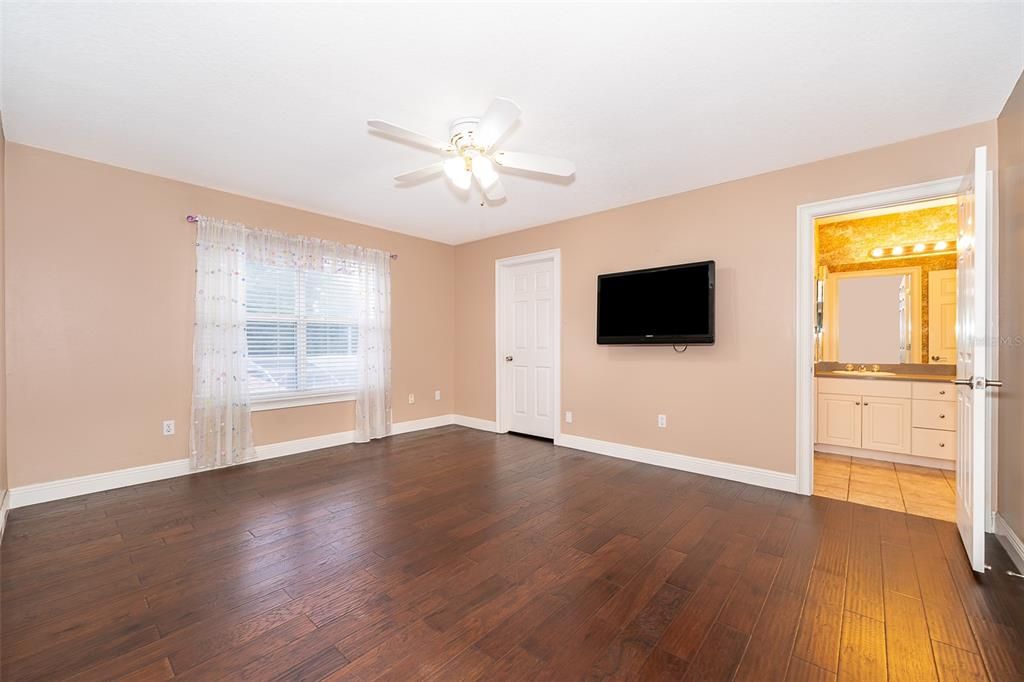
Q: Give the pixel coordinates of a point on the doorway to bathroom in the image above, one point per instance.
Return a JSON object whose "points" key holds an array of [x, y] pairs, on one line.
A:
{"points": [[893, 354], [885, 354]]}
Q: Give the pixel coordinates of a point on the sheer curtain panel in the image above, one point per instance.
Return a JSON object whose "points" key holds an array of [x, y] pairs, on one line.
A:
{"points": [[373, 393], [221, 430]]}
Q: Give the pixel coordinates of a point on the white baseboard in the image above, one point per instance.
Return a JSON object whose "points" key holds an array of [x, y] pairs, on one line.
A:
{"points": [[930, 462], [708, 467], [83, 485], [5, 502], [1011, 542], [93, 483], [421, 424], [294, 447], [475, 423]]}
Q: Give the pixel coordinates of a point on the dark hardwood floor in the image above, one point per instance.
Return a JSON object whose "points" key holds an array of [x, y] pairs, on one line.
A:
{"points": [[455, 554]]}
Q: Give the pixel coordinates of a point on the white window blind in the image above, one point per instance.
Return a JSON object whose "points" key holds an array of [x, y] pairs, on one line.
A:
{"points": [[302, 330]]}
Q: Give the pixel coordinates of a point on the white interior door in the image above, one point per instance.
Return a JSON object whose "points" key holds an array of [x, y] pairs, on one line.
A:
{"points": [[971, 358], [528, 401], [942, 316]]}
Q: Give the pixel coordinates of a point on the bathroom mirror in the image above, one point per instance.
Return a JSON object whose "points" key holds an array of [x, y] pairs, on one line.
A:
{"points": [[888, 316]]}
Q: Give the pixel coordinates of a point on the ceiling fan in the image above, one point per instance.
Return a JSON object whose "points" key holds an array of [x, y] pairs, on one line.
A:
{"points": [[470, 148]]}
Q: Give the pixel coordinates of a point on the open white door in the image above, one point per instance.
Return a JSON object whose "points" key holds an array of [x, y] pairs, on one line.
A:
{"points": [[972, 355]]}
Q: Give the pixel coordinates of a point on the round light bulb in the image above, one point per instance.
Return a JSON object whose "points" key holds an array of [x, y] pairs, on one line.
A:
{"points": [[877, 253], [918, 248], [897, 250], [941, 246]]}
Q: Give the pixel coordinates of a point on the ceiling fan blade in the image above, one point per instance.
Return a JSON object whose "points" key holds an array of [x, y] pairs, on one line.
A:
{"points": [[496, 121], [537, 163], [407, 135], [421, 173]]}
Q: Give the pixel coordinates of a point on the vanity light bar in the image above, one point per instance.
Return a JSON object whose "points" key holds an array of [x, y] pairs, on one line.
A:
{"points": [[912, 250]]}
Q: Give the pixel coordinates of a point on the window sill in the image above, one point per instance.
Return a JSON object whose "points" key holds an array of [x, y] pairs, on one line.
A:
{"points": [[263, 404]]}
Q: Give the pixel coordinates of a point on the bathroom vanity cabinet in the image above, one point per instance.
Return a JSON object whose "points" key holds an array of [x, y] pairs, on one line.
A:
{"points": [[876, 418]]}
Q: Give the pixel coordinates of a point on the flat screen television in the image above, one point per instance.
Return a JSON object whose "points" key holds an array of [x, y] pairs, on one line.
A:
{"points": [[671, 305]]}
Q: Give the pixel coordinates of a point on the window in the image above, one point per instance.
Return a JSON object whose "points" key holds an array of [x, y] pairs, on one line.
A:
{"points": [[302, 331]]}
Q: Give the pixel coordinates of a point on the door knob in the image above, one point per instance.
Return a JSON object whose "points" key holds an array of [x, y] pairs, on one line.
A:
{"points": [[964, 382], [508, 358]]}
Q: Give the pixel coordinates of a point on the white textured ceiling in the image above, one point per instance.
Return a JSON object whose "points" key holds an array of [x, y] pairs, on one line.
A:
{"points": [[271, 101]]}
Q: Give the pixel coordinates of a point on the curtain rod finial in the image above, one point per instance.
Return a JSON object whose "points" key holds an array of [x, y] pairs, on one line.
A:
{"points": [[192, 218]]}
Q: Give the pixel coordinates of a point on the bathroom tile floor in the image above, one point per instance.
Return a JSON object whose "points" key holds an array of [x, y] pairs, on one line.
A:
{"points": [[900, 487]]}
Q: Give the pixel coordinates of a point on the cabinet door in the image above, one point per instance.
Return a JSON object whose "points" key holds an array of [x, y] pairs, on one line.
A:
{"points": [[886, 424], [839, 419]]}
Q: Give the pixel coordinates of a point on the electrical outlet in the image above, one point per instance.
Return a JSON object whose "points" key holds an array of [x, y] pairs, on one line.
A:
{"points": [[412, 399], [662, 421], [169, 427], [568, 417], [437, 395]]}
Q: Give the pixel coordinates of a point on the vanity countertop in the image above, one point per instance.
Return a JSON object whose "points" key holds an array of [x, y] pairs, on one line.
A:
{"points": [[908, 376]]}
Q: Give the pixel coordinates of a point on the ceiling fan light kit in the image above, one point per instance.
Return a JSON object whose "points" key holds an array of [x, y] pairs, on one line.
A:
{"points": [[471, 154]]}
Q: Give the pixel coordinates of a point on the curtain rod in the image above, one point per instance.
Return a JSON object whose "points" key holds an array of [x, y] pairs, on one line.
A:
{"points": [[195, 219]]}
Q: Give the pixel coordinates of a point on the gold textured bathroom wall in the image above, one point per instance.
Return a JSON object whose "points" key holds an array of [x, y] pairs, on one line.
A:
{"points": [[843, 242], [846, 242], [845, 246]]}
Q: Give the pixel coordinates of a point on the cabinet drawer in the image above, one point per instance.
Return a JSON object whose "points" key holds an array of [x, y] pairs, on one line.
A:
{"points": [[934, 391], [932, 414], [933, 443]]}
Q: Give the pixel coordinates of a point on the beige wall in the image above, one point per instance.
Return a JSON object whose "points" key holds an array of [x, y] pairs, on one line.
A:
{"points": [[733, 401], [1010, 501], [100, 283]]}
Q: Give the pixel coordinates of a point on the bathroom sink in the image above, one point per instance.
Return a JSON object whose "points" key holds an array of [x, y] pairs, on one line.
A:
{"points": [[863, 373]]}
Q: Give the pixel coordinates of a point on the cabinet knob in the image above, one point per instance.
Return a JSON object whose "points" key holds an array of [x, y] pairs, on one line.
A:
{"points": [[942, 392], [856, 403], [942, 445], [942, 416], [865, 402]]}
